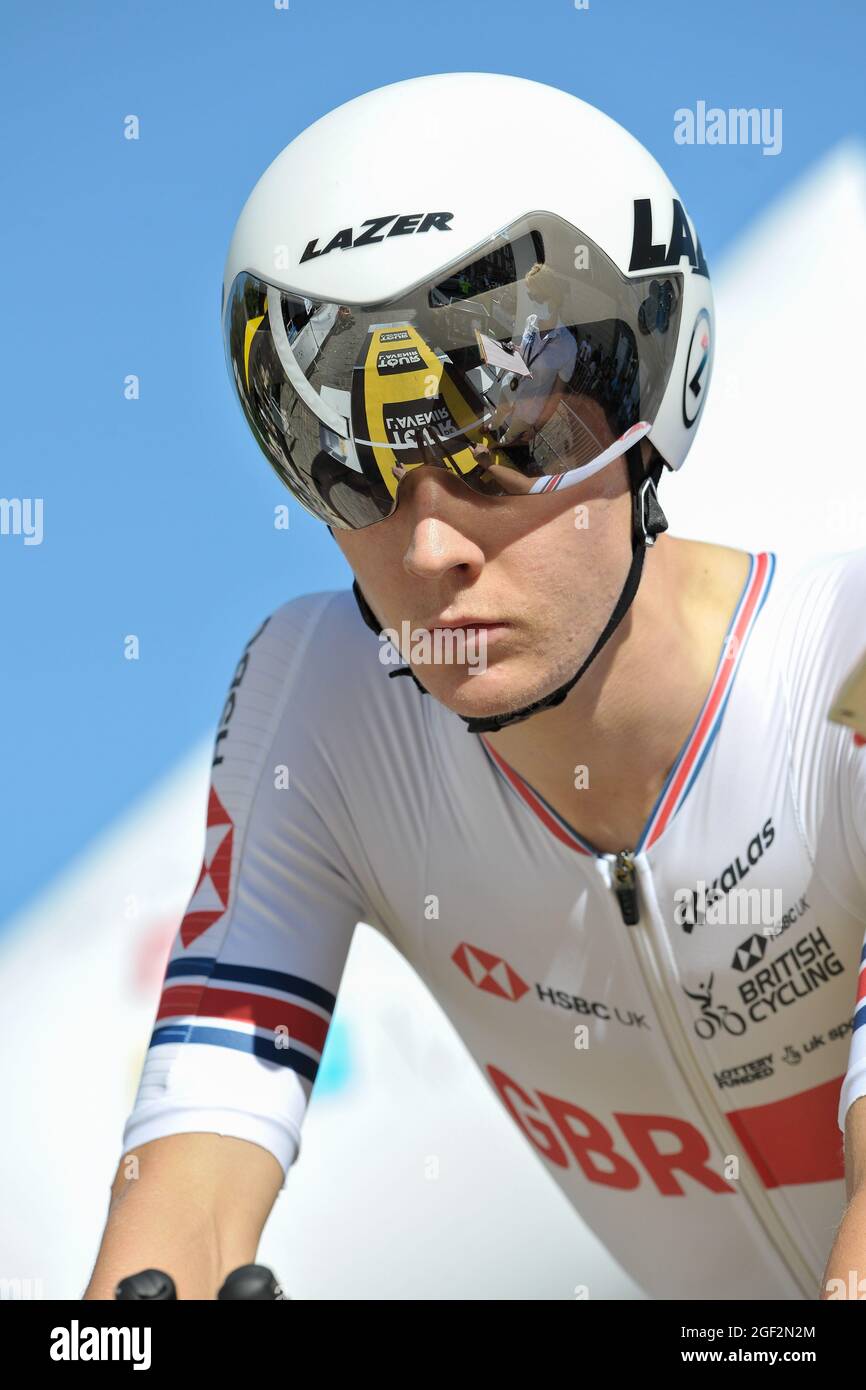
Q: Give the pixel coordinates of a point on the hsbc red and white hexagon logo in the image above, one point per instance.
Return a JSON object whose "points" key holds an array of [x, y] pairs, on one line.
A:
{"points": [[211, 896], [489, 972]]}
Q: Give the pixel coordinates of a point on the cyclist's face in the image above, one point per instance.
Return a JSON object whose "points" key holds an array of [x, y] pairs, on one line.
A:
{"points": [[546, 569]]}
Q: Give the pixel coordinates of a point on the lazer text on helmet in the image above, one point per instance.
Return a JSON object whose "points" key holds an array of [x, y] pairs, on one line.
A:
{"points": [[645, 254], [404, 223]]}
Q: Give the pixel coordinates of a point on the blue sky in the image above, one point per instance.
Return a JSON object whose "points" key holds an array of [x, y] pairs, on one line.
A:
{"points": [[157, 513]]}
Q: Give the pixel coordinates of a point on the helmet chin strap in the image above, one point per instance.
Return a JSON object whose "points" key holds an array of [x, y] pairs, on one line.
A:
{"points": [[648, 522]]}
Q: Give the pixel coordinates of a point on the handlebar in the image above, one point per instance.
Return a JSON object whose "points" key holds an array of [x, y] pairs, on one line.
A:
{"points": [[248, 1282]]}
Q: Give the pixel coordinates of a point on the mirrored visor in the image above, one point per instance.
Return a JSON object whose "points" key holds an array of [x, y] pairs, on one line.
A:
{"points": [[526, 366]]}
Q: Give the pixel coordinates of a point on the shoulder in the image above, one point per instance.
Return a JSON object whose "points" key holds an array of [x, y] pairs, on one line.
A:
{"points": [[820, 615], [820, 635], [804, 633], [295, 647], [312, 624], [314, 634], [313, 674]]}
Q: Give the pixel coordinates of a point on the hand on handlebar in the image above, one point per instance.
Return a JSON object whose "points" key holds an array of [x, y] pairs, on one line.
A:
{"points": [[247, 1283]]}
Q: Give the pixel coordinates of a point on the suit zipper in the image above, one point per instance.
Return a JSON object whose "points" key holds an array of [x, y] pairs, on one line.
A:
{"points": [[624, 884], [625, 887]]}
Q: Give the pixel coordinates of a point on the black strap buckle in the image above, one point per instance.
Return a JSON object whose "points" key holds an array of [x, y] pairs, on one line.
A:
{"points": [[650, 519]]}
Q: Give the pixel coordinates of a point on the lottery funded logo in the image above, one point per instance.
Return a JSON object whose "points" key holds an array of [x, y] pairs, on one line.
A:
{"points": [[757, 1070]]}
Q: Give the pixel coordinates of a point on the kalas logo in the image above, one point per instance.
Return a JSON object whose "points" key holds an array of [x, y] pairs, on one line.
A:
{"points": [[404, 224], [692, 905]]}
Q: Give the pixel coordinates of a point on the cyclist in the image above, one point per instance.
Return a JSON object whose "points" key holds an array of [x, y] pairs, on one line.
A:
{"points": [[627, 852]]}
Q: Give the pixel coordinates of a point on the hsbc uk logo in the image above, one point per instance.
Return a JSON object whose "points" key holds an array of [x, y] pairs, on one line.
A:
{"points": [[494, 975], [490, 973]]}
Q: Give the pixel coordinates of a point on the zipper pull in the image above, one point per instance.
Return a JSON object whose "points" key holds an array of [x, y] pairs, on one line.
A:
{"points": [[625, 887]]}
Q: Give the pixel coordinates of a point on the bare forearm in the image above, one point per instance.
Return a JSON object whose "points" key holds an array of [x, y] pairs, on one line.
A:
{"points": [[846, 1266], [147, 1231], [193, 1205]]}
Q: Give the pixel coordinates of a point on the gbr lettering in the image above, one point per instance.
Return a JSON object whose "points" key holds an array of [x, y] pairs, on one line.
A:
{"points": [[565, 1133]]}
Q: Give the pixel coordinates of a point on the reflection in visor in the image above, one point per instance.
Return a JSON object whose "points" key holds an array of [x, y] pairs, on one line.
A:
{"points": [[522, 369], [409, 406]]}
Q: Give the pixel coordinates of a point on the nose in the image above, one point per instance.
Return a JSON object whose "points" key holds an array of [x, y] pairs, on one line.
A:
{"points": [[430, 488], [433, 505]]}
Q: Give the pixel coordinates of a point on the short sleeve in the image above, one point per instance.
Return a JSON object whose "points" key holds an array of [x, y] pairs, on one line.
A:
{"points": [[253, 974]]}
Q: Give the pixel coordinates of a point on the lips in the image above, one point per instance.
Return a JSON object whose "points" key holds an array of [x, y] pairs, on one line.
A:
{"points": [[454, 623]]}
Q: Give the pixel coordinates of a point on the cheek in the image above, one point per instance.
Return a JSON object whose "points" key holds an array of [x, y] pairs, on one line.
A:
{"points": [[602, 528], [358, 553], [580, 556], [376, 561]]}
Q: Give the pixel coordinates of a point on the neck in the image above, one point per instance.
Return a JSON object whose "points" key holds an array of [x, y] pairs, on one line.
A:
{"points": [[629, 715]]}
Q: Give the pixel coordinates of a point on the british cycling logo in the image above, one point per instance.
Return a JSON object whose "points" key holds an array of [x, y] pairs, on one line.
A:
{"points": [[807, 965], [494, 975], [714, 1020], [750, 952], [404, 224]]}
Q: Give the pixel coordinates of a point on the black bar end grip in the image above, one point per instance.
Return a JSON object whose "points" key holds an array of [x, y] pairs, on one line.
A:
{"points": [[251, 1282], [150, 1285]]}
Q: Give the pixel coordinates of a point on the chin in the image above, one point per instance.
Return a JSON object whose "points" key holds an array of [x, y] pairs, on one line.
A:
{"points": [[489, 693]]}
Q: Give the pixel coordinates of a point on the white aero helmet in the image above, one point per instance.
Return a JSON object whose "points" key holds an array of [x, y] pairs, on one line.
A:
{"points": [[381, 262], [520, 311]]}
